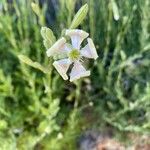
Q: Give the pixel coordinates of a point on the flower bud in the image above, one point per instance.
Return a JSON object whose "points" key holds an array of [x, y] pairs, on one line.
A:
{"points": [[48, 37], [79, 17], [115, 10], [35, 8]]}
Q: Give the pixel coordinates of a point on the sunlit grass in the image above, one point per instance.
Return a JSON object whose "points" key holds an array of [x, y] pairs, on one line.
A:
{"points": [[35, 108]]}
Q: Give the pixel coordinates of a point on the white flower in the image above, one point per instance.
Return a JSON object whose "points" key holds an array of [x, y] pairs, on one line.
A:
{"points": [[73, 53]]}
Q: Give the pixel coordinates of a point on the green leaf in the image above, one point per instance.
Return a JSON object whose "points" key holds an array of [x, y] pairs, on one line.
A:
{"points": [[80, 16], [33, 64]]}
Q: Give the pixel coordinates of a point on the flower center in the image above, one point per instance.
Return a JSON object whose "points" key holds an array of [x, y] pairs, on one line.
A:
{"points": [[74, 54]]}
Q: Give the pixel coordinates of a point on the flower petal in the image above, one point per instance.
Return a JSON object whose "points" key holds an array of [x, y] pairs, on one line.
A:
{"points": [[78, 71], [59, 47], [89, 50], [77, 36], [62, 67]]}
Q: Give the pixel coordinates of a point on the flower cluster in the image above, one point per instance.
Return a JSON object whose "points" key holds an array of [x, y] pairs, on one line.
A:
{"points": [[73, 54]]}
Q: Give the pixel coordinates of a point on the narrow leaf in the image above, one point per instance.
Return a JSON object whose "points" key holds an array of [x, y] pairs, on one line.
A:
{"points": [[33, 64]]}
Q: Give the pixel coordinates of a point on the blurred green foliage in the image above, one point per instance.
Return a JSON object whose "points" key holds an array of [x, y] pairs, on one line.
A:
{"points": [[37, 110]]}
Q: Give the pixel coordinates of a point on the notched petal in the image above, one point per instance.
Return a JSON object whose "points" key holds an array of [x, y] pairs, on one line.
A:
{"points": [[62, 67], [77, 36], [58, 47], [78, 71], [89, 50]]}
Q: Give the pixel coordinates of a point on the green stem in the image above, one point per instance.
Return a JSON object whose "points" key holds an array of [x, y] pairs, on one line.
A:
{"points": [[77, 93], [110, 17]]}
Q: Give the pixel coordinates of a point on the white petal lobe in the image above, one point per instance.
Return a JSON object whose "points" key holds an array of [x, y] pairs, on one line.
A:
{"points": [[62, 67], [59, 47], [89, 50], [77, 36], [78, 71]]}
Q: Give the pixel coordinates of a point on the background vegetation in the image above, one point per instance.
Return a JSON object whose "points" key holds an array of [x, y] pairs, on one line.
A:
{"points": [[37, 109]]}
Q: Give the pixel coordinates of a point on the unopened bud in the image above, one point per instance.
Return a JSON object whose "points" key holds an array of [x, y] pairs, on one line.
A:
{"points": [[79, 17]]}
